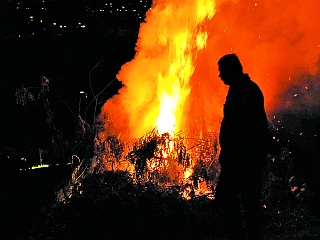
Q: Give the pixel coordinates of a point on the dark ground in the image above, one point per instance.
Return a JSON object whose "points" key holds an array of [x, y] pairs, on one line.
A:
{"points": [[111, 207], [23, 196]]}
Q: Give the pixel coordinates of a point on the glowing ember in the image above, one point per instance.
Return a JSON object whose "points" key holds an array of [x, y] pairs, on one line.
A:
{"points": [[164, 160]]}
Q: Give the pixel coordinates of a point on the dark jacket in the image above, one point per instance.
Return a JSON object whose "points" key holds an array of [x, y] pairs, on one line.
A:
{"points": [[244, 127]]}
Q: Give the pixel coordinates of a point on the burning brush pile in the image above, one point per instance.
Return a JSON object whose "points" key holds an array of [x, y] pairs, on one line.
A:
{"points": [[188, 166], [162, 187], [159, 186]]}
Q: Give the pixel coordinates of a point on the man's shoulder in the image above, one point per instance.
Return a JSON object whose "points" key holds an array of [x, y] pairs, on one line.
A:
{"points": [[253, 86]]}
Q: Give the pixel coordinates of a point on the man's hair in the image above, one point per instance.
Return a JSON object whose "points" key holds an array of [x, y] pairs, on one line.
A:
{"points": [[230, 60]]}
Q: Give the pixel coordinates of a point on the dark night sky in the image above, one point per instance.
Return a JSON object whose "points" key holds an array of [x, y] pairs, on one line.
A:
{"points": [[65, 55]]}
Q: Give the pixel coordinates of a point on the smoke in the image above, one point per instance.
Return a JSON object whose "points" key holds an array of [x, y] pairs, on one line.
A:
{"points": [[277, 41], [302, 99]]}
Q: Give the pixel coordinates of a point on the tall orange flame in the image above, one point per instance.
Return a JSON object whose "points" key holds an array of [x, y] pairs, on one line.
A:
{"points": [[172, 82]]}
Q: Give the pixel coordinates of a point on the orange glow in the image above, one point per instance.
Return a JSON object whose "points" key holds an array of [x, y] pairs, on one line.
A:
{"points": [[158, 81], [172, 83]]}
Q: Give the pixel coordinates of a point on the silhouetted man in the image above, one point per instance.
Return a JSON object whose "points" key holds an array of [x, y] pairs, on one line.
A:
{"points": [[243, 141]]}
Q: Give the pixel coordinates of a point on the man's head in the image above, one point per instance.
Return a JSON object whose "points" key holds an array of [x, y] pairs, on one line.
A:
{"points": [[230, 69]]}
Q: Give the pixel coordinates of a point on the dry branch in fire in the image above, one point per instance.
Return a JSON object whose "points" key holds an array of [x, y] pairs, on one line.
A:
{"points": [[180, 163]]}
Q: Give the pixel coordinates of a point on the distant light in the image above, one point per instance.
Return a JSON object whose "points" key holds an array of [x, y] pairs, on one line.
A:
{"points": [[54, 24], [295, 95], [31, 17], [81, 92], [61, 26], [40, 166]]}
